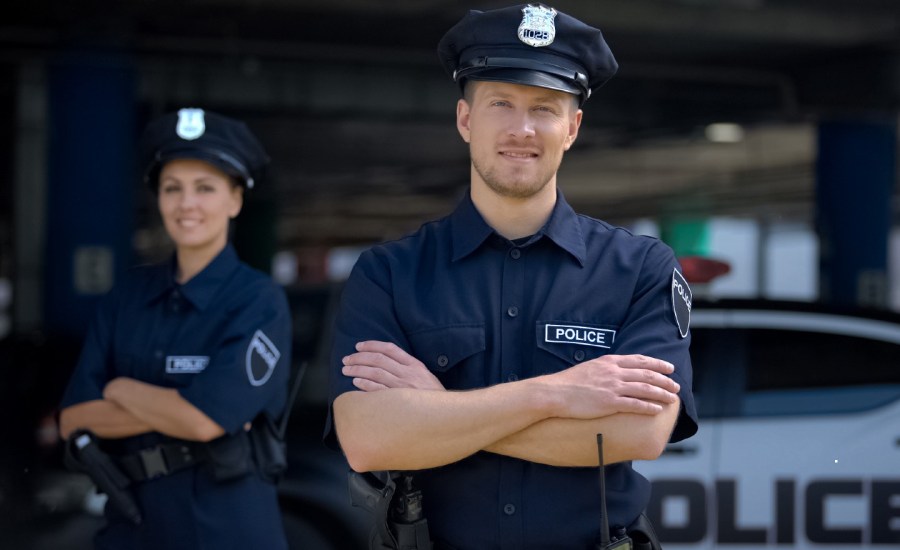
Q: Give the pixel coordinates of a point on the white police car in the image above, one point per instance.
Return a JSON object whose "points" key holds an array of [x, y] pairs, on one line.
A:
{"points": [[799, 441]]}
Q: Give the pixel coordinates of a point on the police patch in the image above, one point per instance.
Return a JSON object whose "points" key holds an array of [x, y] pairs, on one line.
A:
{"points": [[186, 364], [537, 28], [681, 303], [262, 356], [587, 336], [191, 124]]}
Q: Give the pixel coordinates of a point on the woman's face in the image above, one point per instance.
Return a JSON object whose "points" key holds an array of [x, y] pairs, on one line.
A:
{"points": [[196, 201]]}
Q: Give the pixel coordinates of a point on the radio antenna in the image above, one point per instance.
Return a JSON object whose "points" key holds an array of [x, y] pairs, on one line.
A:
{"points": [[604, 521], [621, 541]]}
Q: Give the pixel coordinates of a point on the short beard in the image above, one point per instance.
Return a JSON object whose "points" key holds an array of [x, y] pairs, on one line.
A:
{"points": [[509, 191]]}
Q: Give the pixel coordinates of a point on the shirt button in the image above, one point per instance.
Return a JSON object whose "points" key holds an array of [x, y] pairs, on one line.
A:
{"points": [[512, 378], [443, 360], [579, 355], [158, 354], [509, 509], [515, 253], [512, 311]]}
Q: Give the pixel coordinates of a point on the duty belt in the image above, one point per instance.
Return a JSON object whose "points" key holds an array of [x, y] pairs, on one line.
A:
{"points": [[161, 460]]}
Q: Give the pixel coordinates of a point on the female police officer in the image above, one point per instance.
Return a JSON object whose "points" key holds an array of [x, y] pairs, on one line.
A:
{"points": [[184, 356]]}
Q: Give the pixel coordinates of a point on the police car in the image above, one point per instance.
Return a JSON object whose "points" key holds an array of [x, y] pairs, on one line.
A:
{"points": [[799, 441]]}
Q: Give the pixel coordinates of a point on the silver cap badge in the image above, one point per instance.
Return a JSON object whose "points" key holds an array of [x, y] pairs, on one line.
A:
{"points": [[537, 28], [191, 124]]}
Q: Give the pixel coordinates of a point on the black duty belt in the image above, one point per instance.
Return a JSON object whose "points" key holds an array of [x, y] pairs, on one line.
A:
{"points": [[161, 460]]}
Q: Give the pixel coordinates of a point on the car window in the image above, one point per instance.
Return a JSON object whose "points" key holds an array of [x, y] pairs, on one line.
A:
{"points": [[768, 372], [718, 359], [796, 372]]}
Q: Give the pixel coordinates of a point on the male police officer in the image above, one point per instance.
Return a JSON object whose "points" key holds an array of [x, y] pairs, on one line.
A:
{"points": [[559, 326]]}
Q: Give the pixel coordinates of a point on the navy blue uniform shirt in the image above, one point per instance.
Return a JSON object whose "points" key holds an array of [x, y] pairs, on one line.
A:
{"points": [[223, 340], [479, 310]]}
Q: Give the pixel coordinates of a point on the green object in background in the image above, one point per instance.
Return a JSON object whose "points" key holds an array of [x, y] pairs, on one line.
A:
{"points": [[686, 236]]}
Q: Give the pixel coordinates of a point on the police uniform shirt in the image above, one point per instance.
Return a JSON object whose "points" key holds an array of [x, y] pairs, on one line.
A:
{"points": [[479, 310], [223, 340]]}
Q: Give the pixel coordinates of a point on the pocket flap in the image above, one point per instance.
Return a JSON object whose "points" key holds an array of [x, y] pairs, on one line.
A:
{"points": [[441, 348]]}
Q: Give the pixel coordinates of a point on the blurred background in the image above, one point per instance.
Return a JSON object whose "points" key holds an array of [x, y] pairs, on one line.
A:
{"points": [[761, 134]]}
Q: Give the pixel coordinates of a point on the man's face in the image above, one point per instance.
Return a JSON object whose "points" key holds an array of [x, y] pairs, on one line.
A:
{"points": [[517, 134]]}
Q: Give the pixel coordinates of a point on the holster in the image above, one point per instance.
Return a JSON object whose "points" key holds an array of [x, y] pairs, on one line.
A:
{"points": [[399, 524], [83, 454], [642, 534]]}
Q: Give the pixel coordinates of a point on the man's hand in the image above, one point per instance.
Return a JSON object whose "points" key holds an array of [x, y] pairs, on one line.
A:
{"points": [[551, 419], [614, 384], [381, 365]]}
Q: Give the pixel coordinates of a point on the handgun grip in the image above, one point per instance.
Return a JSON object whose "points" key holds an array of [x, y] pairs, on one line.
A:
{"points": [[365, 494]]}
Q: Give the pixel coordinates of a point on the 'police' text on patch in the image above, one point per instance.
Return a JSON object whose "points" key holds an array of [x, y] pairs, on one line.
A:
{"points": [[186, 364], [587, 336], [262, 356], [681, 302]]}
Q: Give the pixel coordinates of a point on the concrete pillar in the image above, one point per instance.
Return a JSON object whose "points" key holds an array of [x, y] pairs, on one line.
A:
{"points": [[856, 171], [29, 196], [91, 179]]}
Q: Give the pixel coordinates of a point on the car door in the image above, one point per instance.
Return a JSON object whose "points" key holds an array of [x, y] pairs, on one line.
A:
{"points": [[811, 459], [800, 409]]}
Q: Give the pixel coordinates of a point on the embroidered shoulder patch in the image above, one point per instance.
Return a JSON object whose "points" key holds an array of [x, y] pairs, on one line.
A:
{"points": [[681, 303], [262, 356]]}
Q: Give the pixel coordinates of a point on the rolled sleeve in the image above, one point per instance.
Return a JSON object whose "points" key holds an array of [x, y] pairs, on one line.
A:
{"points": [[249, 371], [94, 368], [651, 329], [366, 312]]}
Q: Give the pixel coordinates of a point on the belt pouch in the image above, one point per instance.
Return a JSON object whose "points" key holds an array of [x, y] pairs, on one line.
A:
{"points": [[228, 457]]}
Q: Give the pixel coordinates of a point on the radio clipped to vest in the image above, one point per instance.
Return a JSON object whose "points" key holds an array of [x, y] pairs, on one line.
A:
{"points": [[267, 437]]}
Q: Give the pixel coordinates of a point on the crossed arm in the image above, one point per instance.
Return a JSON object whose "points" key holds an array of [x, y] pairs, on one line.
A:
{"points": [[131, 407], [404, 419]]}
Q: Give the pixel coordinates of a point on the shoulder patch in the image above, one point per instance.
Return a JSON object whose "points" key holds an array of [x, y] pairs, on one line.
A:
{"points": [[681, 303], [262, 356]]}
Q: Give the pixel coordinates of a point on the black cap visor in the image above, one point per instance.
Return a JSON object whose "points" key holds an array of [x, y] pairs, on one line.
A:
{"points": [[228, 164], [526, 78]]}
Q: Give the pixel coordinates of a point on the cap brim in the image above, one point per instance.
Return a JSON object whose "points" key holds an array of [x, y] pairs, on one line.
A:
{"points": [[231, 167], [527, 78]]}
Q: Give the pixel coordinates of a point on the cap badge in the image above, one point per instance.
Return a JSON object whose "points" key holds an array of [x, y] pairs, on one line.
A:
{"points": [[191, 124], [537, 28]]}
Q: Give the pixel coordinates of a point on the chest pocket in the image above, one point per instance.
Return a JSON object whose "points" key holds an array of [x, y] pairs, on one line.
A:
{"points": [[455, 354], [570, 343]]}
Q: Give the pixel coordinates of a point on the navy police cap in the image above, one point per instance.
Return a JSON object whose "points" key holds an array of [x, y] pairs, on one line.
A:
{"points": [[529, 44], [224, 142]]}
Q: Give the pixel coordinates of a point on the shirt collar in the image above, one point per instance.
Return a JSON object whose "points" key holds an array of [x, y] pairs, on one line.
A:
{"points": [[564, 229], [469, 230], [199, 291]]}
